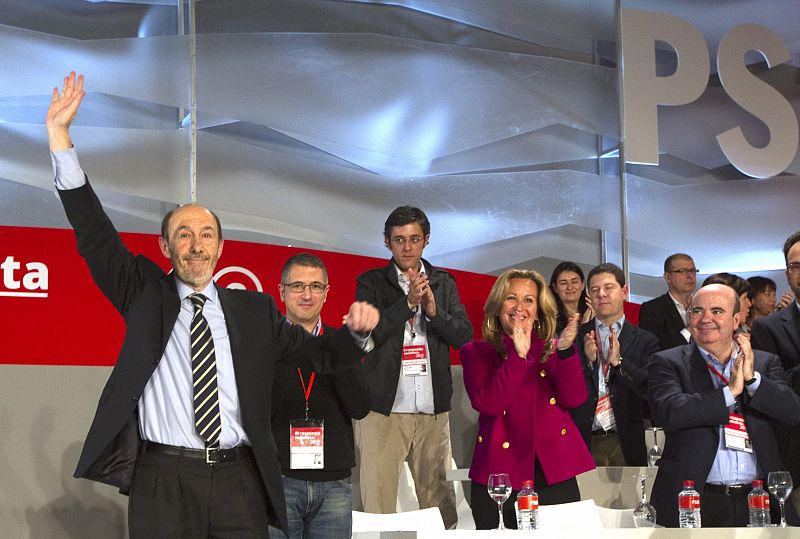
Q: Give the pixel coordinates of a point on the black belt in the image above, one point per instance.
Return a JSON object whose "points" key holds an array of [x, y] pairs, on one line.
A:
{"points": [[729, 490], [600, 432], [209, 455]]}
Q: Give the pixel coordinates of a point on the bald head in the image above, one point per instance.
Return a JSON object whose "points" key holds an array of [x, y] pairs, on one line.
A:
{"points": [[191, 240], [165, 222], [714, 316], [719, 288]]}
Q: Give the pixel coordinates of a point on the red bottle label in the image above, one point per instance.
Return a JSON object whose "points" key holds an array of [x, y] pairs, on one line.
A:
{"points": [[759, 502], [689, 502], [528, 502]]}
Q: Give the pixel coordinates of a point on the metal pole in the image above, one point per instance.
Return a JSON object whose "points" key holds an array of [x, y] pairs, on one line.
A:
{"points": [[623, 180], [193, 104], [599, 165]]}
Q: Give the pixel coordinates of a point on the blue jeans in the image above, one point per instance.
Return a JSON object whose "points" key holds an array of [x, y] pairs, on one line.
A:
{"points": [[317, 509]]}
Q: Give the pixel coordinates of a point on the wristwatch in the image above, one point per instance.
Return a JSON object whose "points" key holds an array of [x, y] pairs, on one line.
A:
{"points": [[619, 363], [751, 381]]}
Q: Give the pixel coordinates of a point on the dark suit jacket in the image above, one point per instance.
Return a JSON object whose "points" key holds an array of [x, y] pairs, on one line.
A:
{"points": [[337, 398], [683, 400], [660, 317], [779, 333], [148, 301], [628, 388]]}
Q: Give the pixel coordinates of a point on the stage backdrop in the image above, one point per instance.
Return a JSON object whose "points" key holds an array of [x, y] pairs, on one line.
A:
{"points": [[51, 313]]}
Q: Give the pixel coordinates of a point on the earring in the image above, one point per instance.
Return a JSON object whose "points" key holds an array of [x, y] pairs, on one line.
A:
{"points": [[537, 325], [490, 325]]}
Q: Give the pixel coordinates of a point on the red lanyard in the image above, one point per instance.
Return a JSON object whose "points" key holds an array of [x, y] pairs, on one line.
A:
{"points": [[411, 326], [603, 362], [307, 391], [719, 374]]}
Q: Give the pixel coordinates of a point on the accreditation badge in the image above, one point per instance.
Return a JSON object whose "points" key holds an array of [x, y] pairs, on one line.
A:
{"points": [[604, 413], [736, 435], [306, 449], [415, 360]]}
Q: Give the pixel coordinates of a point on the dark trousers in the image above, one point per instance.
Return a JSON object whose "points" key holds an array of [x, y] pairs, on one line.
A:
{"points": [[484, 509], [173, 497], [724, 511]]}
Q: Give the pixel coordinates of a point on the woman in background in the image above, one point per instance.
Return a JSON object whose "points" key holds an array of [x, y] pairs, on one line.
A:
{"points": [[567, 283], [522, 381], [762, 296]]}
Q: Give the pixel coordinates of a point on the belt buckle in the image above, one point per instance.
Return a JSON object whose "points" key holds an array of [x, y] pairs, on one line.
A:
{"points": [[730, 490], [214, 455]]}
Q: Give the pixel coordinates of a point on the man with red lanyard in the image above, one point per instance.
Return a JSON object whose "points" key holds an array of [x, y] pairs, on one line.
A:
{"points": [[717, 400], [311, 416], [614, 354], [409, 371]]}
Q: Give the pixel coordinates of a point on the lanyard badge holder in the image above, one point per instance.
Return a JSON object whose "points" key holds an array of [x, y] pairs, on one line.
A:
{"points": [[736, 435], [306, 436], [603, 413], [415, 356]]}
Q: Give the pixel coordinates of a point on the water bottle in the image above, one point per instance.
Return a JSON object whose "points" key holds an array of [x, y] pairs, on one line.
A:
{"points": [[527, 507], [758, 503], [689, 506]]}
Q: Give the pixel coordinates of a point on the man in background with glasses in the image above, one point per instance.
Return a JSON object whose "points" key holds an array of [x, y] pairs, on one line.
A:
{"points": [[666, 316], [779, 333], [409, 371], [312, 415]]}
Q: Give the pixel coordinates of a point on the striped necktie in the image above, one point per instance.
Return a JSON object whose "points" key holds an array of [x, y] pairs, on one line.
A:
{"points": [[207, 421]]}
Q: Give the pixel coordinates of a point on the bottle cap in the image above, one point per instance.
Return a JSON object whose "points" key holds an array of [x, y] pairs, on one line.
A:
{"points": [[758, 483], [527, 483], [688, 483]]}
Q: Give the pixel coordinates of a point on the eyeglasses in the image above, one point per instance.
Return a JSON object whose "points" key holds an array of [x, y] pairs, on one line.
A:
{"points": [[685, 271], [298, 287], [400, 240], [793, 267]]}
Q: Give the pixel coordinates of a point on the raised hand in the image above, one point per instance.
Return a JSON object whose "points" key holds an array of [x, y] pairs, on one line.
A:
{"points": [[362, 318], [521, 335], [736, 382], [786, 299], [746, 352], [62, 111], [613, 348], [569, 333], [429, 302], [590, 347], [417, 288], [588, 314]]}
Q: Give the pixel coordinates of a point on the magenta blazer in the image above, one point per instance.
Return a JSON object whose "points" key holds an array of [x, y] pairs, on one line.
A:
{"points": [[523, 413]]}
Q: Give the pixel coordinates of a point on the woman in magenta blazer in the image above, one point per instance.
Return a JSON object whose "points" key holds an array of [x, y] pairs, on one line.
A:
{"points": [[522, 381]]}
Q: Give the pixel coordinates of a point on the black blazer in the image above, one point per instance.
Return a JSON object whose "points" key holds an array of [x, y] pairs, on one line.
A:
{"points": [[683, 400], [148, 301], [660, 317], [779, 334], [628, 388], [337, 398]]}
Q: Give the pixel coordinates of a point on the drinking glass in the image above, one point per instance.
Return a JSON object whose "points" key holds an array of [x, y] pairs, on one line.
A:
{"points": [[780, 485], [644, 515], [655, 452], [499, 487]]}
